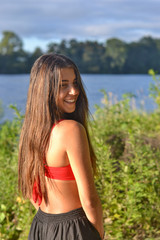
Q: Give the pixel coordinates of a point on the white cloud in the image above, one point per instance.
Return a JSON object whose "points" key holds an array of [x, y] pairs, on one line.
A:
{"points": [[50, 20]]}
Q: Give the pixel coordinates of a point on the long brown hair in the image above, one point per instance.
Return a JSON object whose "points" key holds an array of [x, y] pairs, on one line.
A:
{"points": [[41, 113]]}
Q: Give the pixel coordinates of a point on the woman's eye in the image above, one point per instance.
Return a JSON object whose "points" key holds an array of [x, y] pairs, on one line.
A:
{"points": [[64, 85], [75, 84]]}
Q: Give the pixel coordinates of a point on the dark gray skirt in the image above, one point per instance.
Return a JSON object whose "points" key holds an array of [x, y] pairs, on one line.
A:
{"points": [[72, 225]]}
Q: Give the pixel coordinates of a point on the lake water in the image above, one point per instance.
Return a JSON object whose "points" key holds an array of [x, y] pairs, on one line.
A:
{"points": [[13, 90]]}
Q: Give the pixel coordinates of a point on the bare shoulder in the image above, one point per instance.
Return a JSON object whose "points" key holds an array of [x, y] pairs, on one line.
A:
{"points": [[70, 124], [69, 128]]}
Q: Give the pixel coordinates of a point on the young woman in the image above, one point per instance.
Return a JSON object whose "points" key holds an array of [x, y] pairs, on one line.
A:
{"points": [[56, 158]]}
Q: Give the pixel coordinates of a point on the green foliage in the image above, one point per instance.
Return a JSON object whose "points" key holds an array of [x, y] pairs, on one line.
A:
{"points": [[128, 151], [112, 56], [10, 43], [14, 221], [155, 87], [15, 213], [116, 52], [12, 56]]}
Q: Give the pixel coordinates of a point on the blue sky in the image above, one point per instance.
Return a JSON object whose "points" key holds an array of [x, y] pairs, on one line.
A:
{"points": [[39, 22]]}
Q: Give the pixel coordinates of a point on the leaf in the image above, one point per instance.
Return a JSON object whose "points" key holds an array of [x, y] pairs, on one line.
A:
{"points": [[3, 207], [2, 217]]}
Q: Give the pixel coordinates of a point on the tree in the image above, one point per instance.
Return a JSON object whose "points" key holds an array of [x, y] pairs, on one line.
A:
{"points": [[12, 56], [116, 53], [60, 48], [142, 55], [75, 52], [10, 43], [93, 57], [32, 57]]}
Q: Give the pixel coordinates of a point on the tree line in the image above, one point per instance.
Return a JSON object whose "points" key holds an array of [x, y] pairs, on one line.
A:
{"points": [[113, 56]]}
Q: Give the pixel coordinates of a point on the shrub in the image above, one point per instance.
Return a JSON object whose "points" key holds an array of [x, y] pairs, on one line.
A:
{"points": [[15, 213], [127, 144], [128, 150]]}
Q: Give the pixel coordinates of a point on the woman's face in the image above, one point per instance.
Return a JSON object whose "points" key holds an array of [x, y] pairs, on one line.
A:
{"points": [[69, 91]]}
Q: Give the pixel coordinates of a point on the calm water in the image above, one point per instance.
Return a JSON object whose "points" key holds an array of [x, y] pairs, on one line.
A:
{"points": [[13, 90]]}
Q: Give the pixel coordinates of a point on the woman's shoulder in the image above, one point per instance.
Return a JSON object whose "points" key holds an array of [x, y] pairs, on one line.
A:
{"points": [[67, 128], [67, 124]]}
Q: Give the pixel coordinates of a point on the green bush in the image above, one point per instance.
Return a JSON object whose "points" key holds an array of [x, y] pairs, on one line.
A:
{"points": [[15, 213], [127, 144], [128, 149]]}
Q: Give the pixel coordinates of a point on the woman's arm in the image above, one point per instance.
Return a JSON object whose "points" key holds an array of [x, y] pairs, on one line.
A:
{"points": [[77, 149]]}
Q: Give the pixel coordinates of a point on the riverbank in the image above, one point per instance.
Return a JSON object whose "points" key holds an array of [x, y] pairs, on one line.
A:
{"points": [[128, 152]]}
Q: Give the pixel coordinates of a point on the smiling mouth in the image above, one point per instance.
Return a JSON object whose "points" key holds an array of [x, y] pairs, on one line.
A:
{"points": [[70, 101]]}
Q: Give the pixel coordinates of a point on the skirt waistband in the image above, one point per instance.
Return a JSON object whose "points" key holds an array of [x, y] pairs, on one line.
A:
{"points": [[49, 217]]}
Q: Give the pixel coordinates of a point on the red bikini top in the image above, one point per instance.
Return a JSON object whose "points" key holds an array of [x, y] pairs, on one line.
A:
{"points": [[58, 173]]}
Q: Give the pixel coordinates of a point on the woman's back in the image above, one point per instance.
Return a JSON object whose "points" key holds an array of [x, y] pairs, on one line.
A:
{"points": [[62, 194]]}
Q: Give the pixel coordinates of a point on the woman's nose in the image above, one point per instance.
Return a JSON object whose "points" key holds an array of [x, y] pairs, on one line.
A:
{"points": [[73, 90]]}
